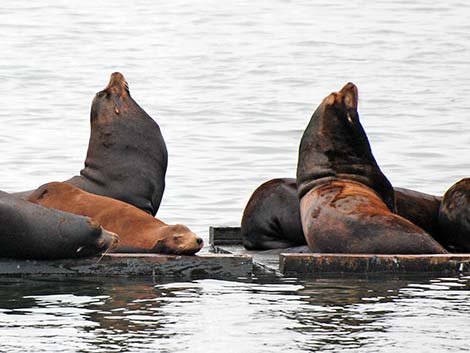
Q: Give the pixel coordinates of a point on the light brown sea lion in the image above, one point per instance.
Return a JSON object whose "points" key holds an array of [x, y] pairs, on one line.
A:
{"points": [[30, 231], [138, 231], [346, 202]]}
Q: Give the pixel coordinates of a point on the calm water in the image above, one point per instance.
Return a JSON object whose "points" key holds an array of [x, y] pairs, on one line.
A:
{"points": [[232, 85], [386, 314]]}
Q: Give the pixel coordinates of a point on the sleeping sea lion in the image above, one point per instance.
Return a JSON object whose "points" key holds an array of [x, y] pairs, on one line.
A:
{"points": [[29, 231], [138, 231]]}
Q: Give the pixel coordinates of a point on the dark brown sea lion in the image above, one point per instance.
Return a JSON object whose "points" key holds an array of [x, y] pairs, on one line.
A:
{"points": [[419, 208], [271, 219], [346, 202], [127, 156], [30, 231], [454, 217], [138, 231]]}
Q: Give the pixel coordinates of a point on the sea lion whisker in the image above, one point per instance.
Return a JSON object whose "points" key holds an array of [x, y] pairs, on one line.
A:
{"points": [[103, 254]]}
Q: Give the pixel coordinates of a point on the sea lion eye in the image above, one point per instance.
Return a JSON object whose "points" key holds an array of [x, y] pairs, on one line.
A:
{"points": [[349, 118]]}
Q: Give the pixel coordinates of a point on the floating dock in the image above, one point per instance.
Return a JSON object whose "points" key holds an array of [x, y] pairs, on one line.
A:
{"points": [[230, 260], [300, 262], [217, 266]]}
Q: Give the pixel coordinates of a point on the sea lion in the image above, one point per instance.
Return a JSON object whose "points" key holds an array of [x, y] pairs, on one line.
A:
{"points": [[138, 231], [419, 208], [127, 156], [29, 231], [454, 217], [271, 219], [346, 202]]}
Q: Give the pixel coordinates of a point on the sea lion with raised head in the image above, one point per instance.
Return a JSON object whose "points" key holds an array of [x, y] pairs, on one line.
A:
{"points": [[138, 231], [346, 202], [271, 219], [29, 231], [127, 156]]}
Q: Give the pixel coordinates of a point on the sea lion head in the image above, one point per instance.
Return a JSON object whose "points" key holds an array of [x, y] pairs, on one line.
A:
{"points": [[100, 241], [335, 145], [178, 239], [111, 101]]}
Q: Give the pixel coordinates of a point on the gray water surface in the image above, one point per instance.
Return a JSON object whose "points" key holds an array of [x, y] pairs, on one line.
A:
{"points": [[370, 314], [233, 85]]}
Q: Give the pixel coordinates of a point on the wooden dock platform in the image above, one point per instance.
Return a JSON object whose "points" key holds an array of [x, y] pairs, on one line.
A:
{"points": [[301, 265], [216, 266], [300, 262]]}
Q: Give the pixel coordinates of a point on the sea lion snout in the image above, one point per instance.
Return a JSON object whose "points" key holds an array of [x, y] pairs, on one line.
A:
{"points": [[349, 95], [181, 240], [108, 240], [103, 241], [117, 84], [112, 100], [346, 98]]}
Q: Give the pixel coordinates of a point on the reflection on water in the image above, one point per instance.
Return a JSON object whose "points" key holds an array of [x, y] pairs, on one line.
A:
{"points": [[367, 314], [232, 85]]}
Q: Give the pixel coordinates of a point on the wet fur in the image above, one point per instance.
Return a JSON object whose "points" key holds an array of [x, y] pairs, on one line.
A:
{"points": [[343, 216]]}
